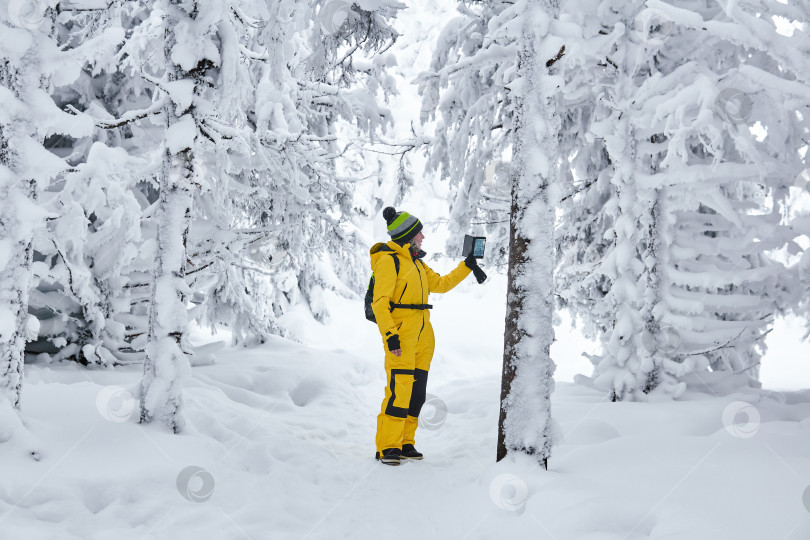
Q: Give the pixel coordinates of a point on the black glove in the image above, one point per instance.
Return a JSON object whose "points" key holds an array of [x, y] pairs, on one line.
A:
{"points": [[393, 342], [472, 264]]}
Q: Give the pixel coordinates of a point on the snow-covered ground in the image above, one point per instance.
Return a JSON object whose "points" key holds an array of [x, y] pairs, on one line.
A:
{"points": [[281, 441]]}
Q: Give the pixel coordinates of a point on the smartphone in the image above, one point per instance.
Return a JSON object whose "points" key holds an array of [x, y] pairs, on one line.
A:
{"points": [[474, 245]]}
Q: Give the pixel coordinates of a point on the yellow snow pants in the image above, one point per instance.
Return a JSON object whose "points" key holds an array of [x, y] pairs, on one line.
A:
{"points": [[406, 377]]}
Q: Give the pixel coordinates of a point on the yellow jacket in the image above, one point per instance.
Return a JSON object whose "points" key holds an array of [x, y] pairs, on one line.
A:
{"points": [[412, 285]]}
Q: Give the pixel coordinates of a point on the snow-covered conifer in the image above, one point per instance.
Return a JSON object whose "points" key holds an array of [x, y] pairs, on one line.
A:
{"points": [[468, 86], [268, 168], [674, 275], [188, 54], [31, 66], [694, 197], [282, 229], [90, 302], [93, 250]]}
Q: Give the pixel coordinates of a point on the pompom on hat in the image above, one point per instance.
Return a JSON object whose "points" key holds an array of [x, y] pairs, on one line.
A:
{"points": [[402, 226]]}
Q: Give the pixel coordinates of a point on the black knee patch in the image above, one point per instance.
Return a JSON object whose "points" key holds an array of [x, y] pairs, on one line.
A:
{"points": [[419, 392]]}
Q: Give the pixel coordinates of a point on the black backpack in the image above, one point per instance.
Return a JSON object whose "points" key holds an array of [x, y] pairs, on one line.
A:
{"points": [[370, 291]]}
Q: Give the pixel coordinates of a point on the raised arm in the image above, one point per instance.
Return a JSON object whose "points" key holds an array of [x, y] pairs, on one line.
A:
{"points": [[442, 284]]}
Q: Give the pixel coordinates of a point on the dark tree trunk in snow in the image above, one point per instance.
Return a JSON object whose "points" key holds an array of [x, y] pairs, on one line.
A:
{"points": [[654, 341], [527, 382]]}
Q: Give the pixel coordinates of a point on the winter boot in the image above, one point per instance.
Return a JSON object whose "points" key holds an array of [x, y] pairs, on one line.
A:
{"points": [[409, 452], [390, 456]]}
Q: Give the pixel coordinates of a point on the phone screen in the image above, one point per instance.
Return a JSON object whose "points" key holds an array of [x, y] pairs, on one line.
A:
{"points": [[478, 249]]}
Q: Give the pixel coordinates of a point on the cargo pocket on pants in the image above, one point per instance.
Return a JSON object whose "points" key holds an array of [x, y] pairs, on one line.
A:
{"points": [[401, 385]]}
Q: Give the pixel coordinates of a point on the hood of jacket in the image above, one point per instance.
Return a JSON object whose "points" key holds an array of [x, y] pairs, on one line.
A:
{"points": [[382, 248]]}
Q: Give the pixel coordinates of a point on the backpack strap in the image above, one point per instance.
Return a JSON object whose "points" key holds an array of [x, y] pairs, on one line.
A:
{"points": [[370, 290], [384, 248], [410, 306], [396, 262]]}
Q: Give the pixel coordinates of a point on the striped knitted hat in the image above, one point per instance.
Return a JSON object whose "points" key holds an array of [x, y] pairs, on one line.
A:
{"points": [[402, 226]]}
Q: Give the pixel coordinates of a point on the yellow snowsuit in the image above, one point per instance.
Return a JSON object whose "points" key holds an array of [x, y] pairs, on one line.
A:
{"points": [[406, 374]]}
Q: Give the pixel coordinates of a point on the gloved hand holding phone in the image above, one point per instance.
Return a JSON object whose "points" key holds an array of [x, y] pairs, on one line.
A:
{"points": [[472, 264]]}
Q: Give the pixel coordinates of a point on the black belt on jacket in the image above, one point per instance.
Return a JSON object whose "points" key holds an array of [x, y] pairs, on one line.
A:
{"points": [[410, 306]]}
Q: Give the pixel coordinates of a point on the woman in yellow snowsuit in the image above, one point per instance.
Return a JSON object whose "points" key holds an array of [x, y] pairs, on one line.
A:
{"points": [[401, 308]]}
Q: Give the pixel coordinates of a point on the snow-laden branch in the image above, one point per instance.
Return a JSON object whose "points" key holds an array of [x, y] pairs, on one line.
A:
{"points": [[131, 116], [715, 173], [246, 19]]}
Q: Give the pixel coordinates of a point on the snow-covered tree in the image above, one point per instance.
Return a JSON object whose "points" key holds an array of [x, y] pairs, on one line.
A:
{"points": [[467, 88], [272, 213], [31, 66], [528, 371], [92, 251], [342, 101], [494, 80], [289, 209], [694, 197], [183, 70], [671, 197], [91, 296], [248, 182]]}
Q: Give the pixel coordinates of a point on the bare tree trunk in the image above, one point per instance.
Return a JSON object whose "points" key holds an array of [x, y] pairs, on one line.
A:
{"points": [[527, 382]]}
